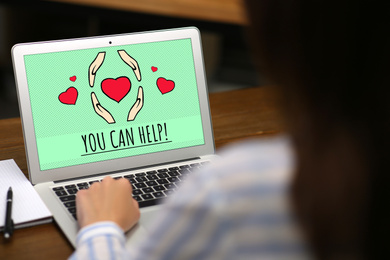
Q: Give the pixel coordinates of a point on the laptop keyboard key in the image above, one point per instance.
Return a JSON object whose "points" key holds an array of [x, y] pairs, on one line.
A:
{"points": [[147, 190], [152, 177], [70, 204], [158, 194], [140, 185], [163, 175], [72, 191], [61, 193], [170, 186], [151, 183], [141, 179], [173, 173], [159, 188], [68, 198], [147, 196], [137, 192], [184, 171], [162, 181], [58, 188]]}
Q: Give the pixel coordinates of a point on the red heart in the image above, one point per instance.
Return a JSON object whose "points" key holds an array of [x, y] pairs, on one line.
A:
{"points": [[73, 78], [68, 97], [116, 89], [154, 69], [164, 85]]}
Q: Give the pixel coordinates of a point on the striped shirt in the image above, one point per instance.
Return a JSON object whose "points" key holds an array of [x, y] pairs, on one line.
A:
{"points": [[235, 208]]}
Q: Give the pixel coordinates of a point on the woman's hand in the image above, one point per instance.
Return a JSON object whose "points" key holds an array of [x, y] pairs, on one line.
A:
{"points": [[109, 200]]}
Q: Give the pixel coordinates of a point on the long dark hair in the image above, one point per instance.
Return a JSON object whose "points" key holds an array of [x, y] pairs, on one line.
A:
{"points": [[331, 63]]}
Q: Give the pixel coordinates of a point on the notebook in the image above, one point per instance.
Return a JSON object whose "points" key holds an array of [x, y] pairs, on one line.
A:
{"points": [[130, 106], [27, 208]]}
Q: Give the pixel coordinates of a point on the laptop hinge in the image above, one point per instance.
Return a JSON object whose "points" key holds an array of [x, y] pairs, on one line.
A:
{"points": [[126, 170]]}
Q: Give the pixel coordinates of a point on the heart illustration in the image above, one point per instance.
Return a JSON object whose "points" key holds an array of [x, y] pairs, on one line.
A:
{"points": [[154, 69], [116, 89], [73, 78], [68, 97], [165, 86]]}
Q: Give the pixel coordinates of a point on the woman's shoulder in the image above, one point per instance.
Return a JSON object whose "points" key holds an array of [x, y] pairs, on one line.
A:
{"points": [[249, 169], [269, 159]]}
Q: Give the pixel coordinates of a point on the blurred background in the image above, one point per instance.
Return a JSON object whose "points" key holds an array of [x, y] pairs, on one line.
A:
{"points": [[221, 22]]}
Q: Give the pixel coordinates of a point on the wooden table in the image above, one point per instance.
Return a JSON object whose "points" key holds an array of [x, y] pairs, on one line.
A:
{"points": [[223, 11], [235, 114]]}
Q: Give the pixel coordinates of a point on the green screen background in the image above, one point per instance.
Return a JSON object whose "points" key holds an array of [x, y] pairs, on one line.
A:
{"points": [[59, 127]]}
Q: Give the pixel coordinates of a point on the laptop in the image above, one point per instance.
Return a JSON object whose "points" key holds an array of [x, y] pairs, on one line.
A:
{"points": [[131, 106]]}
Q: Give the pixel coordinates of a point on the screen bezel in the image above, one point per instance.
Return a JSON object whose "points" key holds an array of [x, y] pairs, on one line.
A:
{"points": [[120, 164]]}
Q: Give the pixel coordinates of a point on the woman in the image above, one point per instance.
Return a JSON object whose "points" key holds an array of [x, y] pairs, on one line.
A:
{"points": [[330, 61]]}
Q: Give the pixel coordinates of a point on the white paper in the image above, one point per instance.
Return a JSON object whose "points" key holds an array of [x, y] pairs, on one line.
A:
{"points": [[27, 205]]}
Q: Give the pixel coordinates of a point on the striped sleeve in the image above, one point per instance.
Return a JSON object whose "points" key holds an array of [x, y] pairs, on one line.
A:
{"points": [[103, 240]]}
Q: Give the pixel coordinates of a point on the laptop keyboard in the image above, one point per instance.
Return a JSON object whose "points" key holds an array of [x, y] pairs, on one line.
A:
{"points": [[148, 187]]}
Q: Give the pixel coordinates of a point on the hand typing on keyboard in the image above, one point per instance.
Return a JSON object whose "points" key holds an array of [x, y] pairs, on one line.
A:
{"points": [[109, 200]]}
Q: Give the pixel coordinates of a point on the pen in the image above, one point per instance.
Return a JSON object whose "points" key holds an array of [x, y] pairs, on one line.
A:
{"points": [[8, 226]]}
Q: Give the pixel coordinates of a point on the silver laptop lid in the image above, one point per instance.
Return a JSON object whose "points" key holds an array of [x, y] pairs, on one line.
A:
{"points": [[103, 104]]}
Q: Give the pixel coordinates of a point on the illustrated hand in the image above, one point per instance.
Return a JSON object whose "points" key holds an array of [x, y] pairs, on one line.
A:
{"points": [[95, 65], [109, 200], [131, 62], [101, 111], [137, 105]]}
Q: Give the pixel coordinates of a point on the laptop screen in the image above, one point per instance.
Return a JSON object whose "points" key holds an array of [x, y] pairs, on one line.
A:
{"points": [[99, 104]]}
